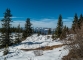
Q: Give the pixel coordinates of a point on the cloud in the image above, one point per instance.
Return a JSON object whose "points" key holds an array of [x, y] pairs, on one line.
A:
{"points": [[16, 23], [12, 17], [69, 17], [47, 23], [17, 17], [51, 23]]}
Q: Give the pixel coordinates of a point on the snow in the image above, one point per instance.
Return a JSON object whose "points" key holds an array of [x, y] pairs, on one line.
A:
{"points": [[34, 42], [54, 54], [46, 29], [1, 53]]}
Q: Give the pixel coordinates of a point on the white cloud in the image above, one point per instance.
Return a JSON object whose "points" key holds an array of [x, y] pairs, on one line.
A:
{"points": [[45, 23], [17, 17], [69, 17], [16, 23], [49, 23], [12, 17]]}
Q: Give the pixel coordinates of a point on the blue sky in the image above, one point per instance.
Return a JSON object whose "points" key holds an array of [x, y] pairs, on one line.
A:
{"points": [[44, 12]]}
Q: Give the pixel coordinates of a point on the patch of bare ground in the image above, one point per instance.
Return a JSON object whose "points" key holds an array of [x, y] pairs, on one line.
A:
{"points": [[44, 48]]}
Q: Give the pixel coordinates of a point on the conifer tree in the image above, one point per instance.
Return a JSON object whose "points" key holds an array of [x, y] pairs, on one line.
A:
{"points": [[28, 30], [75, 23], [64, 32], [67, 30], [59, 28], [18, 35], [80, 21], [49, 31], [6, 27]]}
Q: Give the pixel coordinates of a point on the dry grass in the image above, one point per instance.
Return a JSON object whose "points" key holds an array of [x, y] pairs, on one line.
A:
{"points": [[76, 48], [75, 54], [44, 48]]}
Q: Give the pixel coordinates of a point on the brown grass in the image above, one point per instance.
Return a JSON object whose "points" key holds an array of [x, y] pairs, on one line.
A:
{"points": [[73, 54], [44, 48]]}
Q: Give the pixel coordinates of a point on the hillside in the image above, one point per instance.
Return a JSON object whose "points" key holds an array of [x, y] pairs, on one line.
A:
{"points": [[33, 42]]}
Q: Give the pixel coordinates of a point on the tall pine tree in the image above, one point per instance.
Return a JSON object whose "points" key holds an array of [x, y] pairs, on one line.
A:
{"points": [[64, 32], [49, 31], [75, 24], [80, 21], [59, 28], [6, 26], [28, 29]]}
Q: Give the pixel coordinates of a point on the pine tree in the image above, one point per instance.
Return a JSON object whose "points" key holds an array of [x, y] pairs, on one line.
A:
{"points": [[59, 28], [18, 35], [28, 30], [64, 32], [81, 18], [80, 21], [49, 31], [6, 27], [75, 23], [67, 30]]}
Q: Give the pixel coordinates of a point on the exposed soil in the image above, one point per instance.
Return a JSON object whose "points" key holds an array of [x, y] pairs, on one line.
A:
{"points": [[44, 48]]}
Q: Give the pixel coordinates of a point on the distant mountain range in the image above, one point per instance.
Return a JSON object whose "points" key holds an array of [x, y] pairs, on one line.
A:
{"points": [[44, 30]]}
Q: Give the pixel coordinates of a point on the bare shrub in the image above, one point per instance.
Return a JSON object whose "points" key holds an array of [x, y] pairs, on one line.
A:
{"points": [[76, 46]]}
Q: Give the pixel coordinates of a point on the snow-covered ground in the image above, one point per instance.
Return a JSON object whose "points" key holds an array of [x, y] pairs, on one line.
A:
{"points": [[34, 42]]}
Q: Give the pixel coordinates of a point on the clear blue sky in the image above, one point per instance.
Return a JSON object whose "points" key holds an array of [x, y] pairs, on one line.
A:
{"points": [[41, 9]]}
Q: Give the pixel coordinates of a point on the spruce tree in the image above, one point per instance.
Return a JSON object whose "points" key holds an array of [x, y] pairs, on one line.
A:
{"points": [[75, 23], [67, 30], [6, 27], [80, 21], [64, 32], [59, 28], [49, 31], [28, 30], [81, 18]]}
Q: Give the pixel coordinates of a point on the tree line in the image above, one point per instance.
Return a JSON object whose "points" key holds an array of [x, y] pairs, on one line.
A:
{"points": [[60, 32]]}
